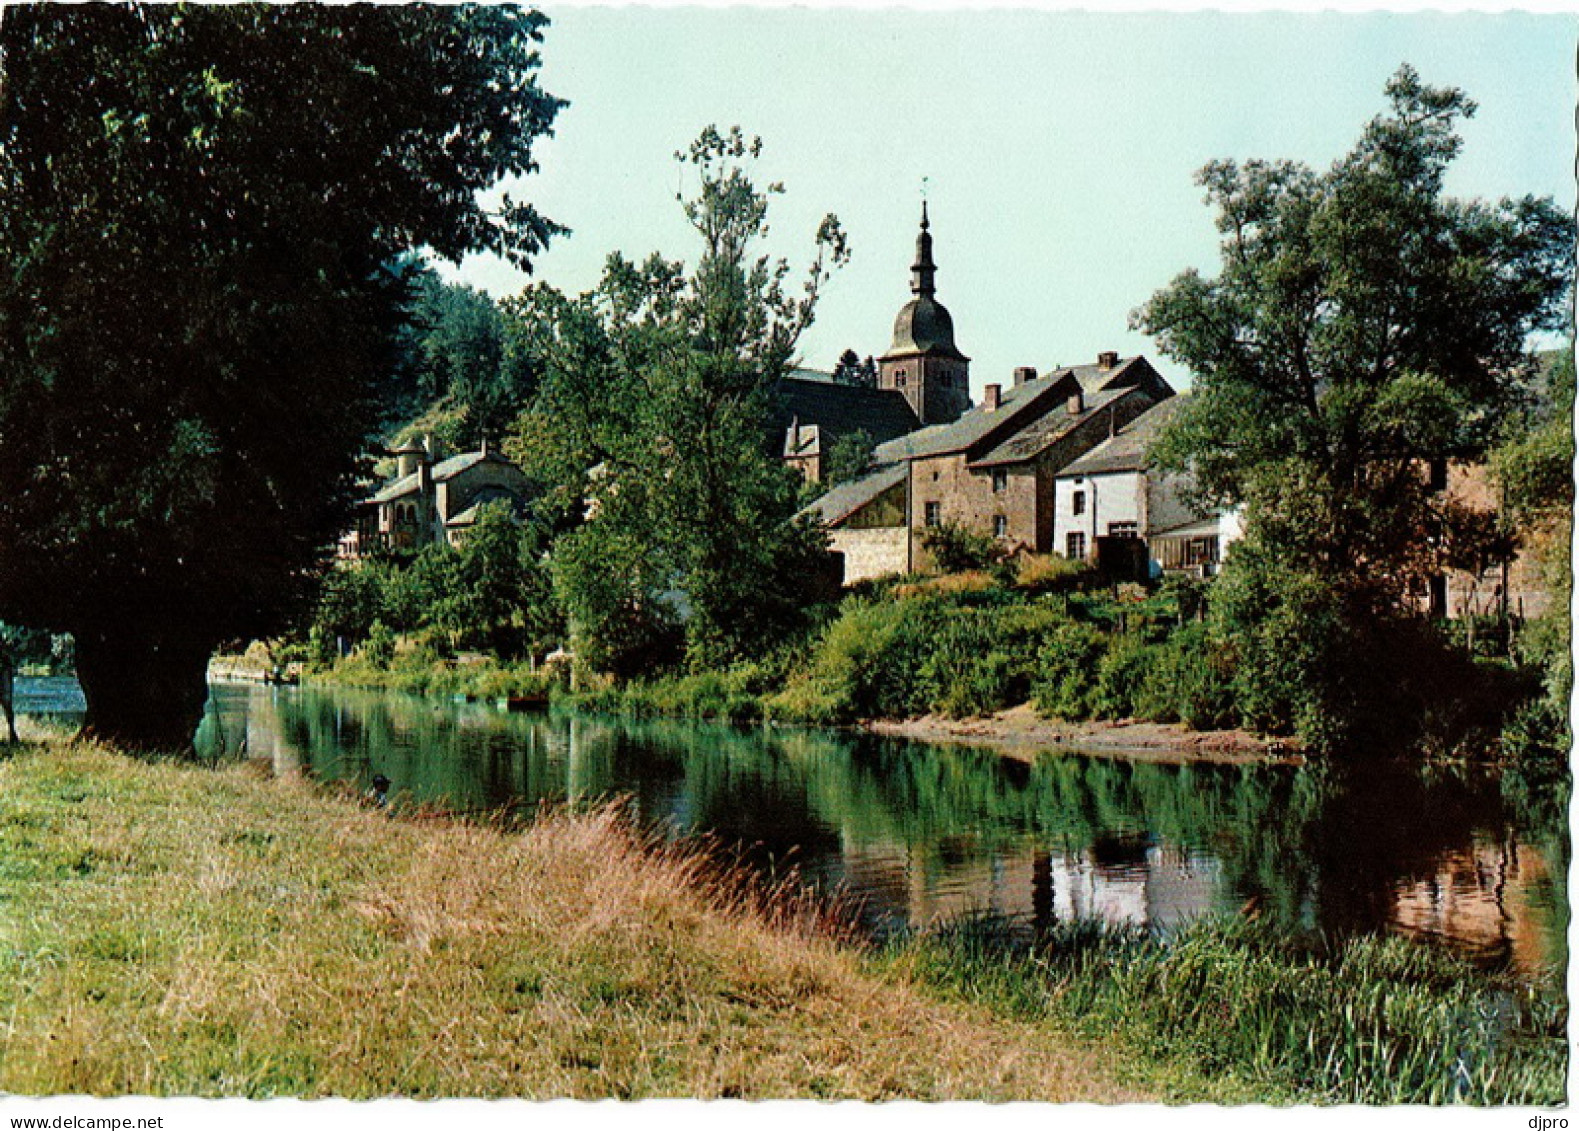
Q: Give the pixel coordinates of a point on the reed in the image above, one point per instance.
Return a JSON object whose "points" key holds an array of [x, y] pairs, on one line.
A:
{"points": [[1377, 1020]]}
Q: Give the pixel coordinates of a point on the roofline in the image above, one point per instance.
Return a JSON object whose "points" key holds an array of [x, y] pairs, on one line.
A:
{"points": [[1085, 415]]}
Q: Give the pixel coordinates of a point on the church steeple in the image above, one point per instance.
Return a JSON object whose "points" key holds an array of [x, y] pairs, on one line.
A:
{"points": [[923, 362], [923, 271]]}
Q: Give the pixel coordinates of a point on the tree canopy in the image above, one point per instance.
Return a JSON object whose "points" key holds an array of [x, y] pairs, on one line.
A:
{"points": [[1361, 323], [203, 212], [1363, 327], [650, 426]]}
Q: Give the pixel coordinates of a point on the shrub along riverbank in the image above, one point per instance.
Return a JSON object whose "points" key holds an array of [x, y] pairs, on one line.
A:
{"points": [[219, 932], [976, 642]]}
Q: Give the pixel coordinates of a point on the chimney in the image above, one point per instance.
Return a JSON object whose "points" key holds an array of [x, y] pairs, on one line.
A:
{"points": [[1107, 360], [1024, 373], [485, 446], [994, 398], [407, 459], [1077, 402]]}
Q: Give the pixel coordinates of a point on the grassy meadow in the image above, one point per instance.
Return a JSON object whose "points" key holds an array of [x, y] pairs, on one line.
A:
{"points": [[169, 929]]}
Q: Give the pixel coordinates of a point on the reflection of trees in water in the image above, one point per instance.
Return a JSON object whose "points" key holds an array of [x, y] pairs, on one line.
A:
{"points": [[1312, 848]]}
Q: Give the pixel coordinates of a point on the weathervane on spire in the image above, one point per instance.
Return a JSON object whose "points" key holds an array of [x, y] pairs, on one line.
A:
{"points": [[924, 182]]}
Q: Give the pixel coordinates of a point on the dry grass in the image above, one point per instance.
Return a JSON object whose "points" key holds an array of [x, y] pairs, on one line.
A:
{"points": [[966, 581], [171, 930]]}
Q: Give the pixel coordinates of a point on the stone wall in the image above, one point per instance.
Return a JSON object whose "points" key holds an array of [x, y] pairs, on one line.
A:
{"points": [[877, 551]]}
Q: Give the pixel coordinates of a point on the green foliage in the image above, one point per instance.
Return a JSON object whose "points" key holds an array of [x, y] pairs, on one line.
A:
{"points": [[648, 427], [851, 370], [1379, 1020], [848, 458], [204, 278], [379, 648], [1361, 325], [955, 548], [1067, 686]]}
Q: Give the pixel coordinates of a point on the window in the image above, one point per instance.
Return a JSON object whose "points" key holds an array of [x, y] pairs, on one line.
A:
{"points": [[1124, 529], [1000, 526], [1000, 481], [899, 378], [934, 513], [1077, 502], [1076, 546]]}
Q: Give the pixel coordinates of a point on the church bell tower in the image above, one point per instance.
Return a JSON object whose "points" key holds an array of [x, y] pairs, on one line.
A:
{"points": [[923, 363]]}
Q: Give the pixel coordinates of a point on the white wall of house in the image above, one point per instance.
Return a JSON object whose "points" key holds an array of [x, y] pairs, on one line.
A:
{"points": [[1109, 498]]}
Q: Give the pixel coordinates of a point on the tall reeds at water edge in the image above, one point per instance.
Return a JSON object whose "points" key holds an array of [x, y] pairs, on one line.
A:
{"points": [[1372, 1019]]}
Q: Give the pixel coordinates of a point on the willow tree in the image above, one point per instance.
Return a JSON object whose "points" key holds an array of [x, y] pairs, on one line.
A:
{"points": [[201, 210]]}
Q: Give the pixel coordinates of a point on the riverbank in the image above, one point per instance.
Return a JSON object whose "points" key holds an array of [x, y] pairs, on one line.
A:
{"points": [[224, 932], [1020, 732], [205, 932]]}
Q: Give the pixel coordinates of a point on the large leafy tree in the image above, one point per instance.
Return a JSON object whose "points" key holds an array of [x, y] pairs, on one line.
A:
{"points": [[203, 211], [1362, 325], [651, 423]]}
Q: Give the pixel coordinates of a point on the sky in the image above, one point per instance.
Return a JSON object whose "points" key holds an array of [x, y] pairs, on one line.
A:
{"points": [[1058, 149]]}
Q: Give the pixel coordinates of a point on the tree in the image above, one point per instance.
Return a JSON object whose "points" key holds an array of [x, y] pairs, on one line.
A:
{"points": [[849, 456], [1362, 325], [851, 370], [460, 376], [650, 426], [203, 212]]}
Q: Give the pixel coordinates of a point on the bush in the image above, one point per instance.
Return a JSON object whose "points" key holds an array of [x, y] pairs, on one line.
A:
{"points": [[379, 648], [1123, 676], [954, 549], [1066, 687], [1049, 573]]}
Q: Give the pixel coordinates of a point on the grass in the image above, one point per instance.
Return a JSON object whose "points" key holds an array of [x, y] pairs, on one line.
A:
{"points": [[167, 929], [1227, 1010]]}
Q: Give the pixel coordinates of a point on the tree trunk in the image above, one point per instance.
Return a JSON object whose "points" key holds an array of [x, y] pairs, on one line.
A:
{"points": [[145, 692]]}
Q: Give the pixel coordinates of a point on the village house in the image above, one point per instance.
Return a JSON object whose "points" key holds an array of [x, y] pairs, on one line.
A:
{"points": [[429, 501], [1110, 502], [990, 468]]}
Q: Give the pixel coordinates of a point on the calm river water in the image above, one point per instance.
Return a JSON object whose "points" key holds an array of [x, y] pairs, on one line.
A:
{"points": [[917, 832]]}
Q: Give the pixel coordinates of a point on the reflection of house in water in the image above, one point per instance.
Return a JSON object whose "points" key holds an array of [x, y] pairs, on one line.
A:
{"points": [[1483, 901], [1132, 882], [1117, 881]]}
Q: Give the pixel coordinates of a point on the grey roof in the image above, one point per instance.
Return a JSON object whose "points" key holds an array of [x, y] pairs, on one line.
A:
{"points": [[444, 469], [1043, 431], [847, 498], [1126, 451], [838, 410], [1166, 510], [1018, 405], [395, 488]]}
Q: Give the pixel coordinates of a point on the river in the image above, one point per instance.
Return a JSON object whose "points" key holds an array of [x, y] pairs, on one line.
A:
{"points": [[915, 833]]}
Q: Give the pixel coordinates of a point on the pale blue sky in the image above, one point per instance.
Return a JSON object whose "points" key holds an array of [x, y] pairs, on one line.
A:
{"points": [[1060, 146]]}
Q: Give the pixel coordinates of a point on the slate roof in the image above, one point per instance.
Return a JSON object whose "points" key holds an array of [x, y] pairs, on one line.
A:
{"points": [[838, 410], [1020, 404], [847, 498], [924, 325], [1127, 450], [1042, 432], [444, 469]]}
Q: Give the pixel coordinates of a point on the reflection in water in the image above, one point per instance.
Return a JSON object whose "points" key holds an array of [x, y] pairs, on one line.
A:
{"points": [[917, 833]]}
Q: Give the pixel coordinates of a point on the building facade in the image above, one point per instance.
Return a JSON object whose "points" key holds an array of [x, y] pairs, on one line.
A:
{"points": [[429, 501]]}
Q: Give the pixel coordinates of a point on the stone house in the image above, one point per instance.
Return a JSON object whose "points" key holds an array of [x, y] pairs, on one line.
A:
{"points": [[991, 471], [429, 501], [1110, 500], [988, 467]]}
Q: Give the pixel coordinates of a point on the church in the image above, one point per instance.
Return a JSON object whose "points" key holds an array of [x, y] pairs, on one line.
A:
{"points": [[993, 467]]}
